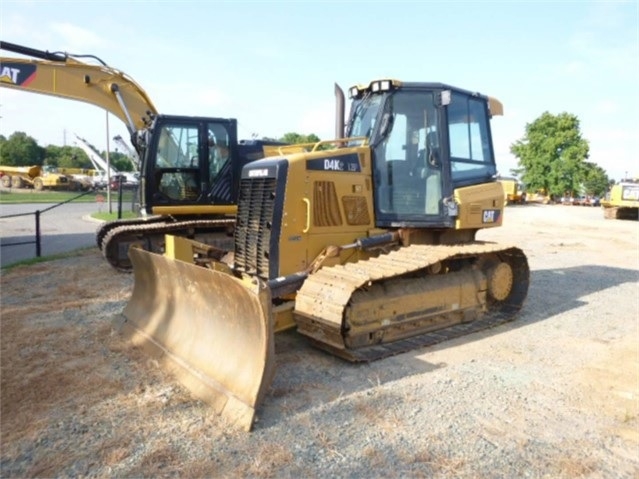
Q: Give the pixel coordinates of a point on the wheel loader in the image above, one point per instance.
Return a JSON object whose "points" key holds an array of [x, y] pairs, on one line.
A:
{"points": [[190, 165], [366, 244]]}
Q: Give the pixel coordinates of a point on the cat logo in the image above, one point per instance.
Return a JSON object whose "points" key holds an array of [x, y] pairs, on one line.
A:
{"points": [[17, 73], [9, 75], [490, 216]]}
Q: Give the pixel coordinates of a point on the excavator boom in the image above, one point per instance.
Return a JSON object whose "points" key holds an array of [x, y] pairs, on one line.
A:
{"points": [[64, 76]]}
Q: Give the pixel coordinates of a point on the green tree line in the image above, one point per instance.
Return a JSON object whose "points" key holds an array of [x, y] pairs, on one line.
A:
{"points": [[21, 149]]}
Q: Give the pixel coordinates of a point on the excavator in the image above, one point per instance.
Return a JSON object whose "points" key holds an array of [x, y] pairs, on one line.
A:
{"points": [[190, 165], [366, 245]]}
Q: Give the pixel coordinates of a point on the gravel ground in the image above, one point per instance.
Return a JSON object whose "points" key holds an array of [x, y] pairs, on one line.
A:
{"points": [[553, 394]]}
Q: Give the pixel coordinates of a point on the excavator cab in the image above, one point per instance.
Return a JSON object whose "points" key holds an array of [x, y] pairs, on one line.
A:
{"points": [[191, 161]]}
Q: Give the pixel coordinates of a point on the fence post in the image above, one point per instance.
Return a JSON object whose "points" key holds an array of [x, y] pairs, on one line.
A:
{"points": [[37, 228], [120, 198]]}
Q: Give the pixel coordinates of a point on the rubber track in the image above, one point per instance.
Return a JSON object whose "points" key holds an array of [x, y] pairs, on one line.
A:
{"points": [[149, 231], [330, 289]]}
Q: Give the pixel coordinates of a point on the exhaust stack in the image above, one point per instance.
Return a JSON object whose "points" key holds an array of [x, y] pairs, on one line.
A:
{"points": [[339, 112]]}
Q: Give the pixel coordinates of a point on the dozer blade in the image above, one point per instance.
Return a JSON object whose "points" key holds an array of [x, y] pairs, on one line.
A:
{"points": [[210, 329]]}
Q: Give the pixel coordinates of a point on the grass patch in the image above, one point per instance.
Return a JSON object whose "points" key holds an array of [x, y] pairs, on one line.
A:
{"points": [[31, 196]]}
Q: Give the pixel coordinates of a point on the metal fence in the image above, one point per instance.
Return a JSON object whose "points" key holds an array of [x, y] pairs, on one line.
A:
{"points": [[38, 238], [37, 241]]}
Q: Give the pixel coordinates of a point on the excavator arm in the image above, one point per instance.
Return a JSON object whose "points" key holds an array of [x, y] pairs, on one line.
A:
{"points": [[65, 75]]}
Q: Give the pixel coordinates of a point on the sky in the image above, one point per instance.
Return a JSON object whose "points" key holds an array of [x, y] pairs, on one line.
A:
{"points": [[273, 65]]}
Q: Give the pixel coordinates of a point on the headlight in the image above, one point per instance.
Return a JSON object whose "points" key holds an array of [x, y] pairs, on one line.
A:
{"points": [[381, 85]]}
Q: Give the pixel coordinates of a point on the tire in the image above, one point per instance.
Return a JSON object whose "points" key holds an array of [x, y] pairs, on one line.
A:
{"points": [[6, 181], [38, 184], [16, 182]]}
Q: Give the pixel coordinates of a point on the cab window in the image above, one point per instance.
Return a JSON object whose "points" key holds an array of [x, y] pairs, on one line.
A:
{"points": [[177, 168], [471, 156]]}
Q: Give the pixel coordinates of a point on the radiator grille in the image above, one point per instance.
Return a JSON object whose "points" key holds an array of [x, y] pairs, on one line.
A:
{"points": [[254, 225]]}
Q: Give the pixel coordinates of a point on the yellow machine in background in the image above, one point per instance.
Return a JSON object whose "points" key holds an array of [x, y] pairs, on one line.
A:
{"points": [[513, 191], [34, 177], [622, 202], [367, 245]]}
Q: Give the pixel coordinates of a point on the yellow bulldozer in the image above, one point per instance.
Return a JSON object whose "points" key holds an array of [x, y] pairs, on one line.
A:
{"points": [[365, 244]]}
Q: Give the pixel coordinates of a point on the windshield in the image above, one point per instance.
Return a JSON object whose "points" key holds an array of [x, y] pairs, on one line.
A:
{"points": [[363, 115]]}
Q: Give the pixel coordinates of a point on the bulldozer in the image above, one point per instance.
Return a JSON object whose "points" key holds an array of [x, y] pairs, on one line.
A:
{"points": [[365, 244], [190, 165]]}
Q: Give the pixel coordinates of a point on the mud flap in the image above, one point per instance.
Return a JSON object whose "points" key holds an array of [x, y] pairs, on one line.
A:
{"points": [[209, 329]]}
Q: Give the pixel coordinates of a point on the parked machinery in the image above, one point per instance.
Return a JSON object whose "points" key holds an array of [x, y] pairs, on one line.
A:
{"points": [[513, 191], [34, 177], [366, 244], [622, 202]]}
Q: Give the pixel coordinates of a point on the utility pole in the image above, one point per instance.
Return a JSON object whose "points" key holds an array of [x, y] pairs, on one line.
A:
{"points": [[108, 165]]}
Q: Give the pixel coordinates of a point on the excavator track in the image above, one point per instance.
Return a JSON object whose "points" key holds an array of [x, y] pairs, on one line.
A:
{"points": [[104, 228], [446, 292], [150, 237]]}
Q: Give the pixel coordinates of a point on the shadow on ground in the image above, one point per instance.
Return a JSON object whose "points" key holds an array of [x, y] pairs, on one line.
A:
{"points": [[552, 292]]}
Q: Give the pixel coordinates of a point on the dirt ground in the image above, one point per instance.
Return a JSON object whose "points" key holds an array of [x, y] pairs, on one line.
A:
{"points": [[553, 394]]}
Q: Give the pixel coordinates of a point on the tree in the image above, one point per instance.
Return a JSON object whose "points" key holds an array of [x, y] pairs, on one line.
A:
{"points": [[119, 161], [296, 138], [552, 154], [21, 150], [66, 157], [596, 180]]}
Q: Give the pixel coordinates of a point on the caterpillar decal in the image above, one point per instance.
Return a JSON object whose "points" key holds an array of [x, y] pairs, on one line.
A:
{"points": [[17, 73]]}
